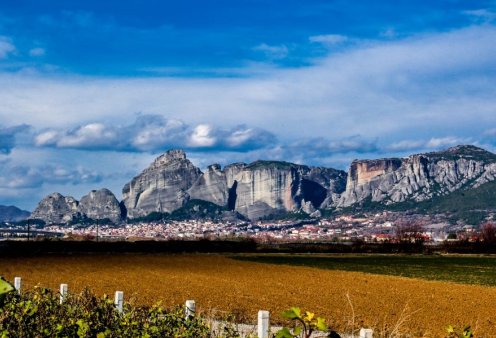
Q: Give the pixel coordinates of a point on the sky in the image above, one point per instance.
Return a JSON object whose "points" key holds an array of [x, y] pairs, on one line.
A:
{"points": [[92, 91]]}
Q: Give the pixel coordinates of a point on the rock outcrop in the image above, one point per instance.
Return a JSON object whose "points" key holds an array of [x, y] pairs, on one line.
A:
{"points": [[255, 190], [162, 187], [56, 209], [418, 177], [100, 204], [211, 186], [266, 188]]}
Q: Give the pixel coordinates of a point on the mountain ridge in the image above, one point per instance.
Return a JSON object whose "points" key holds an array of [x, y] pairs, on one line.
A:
{"points": [[263, 188]]}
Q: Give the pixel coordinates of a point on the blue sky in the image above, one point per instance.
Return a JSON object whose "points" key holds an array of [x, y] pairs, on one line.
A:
{"points": [[92, 91]]}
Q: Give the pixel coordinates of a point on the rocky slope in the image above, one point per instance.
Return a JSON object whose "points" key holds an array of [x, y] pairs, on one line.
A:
{"points": [[417, 177]]}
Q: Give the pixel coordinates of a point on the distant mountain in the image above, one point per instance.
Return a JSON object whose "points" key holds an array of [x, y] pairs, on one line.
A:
{"points": [[12, 214], [255, 190], [172, 185], [418, 177]]}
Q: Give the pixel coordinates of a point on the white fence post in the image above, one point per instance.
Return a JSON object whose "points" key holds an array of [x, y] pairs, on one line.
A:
{"points": [[263, 324], [366, 333], [63, 292], [17, 284], [119, 300], [190, 308]]}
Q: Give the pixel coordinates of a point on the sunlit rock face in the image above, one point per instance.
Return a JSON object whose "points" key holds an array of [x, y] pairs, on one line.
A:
{"points": [[161, 187], [417, 177], [255, 190]]}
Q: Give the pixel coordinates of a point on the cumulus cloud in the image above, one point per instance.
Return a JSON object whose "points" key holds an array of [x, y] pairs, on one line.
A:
{"points": [[202, 136], [153, 133], [6, 47]]}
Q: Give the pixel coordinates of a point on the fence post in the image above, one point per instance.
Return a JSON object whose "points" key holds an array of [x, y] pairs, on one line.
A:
{"points": [[119, 300], [366, 333], [190, 308], [63, 292], [263, 324], [17, 284]]}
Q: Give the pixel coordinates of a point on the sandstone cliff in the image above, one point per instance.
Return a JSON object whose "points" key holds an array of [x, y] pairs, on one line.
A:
{"points": [[417, 177]]}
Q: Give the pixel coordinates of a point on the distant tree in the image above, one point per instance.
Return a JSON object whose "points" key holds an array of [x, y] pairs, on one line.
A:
{"points": [[488, 232], [409, 231]]}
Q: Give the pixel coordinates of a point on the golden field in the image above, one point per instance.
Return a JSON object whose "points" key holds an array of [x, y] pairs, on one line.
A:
{"points": [[221, 285]]}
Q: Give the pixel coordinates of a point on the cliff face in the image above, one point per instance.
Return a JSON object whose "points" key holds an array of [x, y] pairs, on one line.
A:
{"points": [[211, 186], [56, 209], [100, 204], [418, 177], [161, 187], [256, 190], [264, 188]]}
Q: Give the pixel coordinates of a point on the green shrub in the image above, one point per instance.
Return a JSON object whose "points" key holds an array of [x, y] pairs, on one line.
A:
{"points": [[38, 314]]}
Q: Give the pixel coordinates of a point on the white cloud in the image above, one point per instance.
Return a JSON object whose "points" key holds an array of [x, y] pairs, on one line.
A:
{"points": [[202, 136], [36, 52], [482, 15], [151, 133], [273, 52], [434, 143], [329, 39], [6, 47]]}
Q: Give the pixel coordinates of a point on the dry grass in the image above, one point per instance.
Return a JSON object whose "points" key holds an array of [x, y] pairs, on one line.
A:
{"points": [[221, 285]]}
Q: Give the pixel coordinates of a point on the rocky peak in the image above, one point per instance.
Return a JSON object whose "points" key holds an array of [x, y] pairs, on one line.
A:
{"points": [[214, 168], [100, 204], [463, 151], [56, 209], [161, 187], [170, 156]]}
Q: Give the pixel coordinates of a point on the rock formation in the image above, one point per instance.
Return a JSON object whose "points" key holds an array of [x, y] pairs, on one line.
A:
{"points": [[265, 188], [417, 177], [161, 187], [56, 209], [100, 204], [255, 190], [211, 186]]}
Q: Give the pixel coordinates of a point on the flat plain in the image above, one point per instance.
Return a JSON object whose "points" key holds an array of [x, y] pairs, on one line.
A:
{"points": [[222, 285]]}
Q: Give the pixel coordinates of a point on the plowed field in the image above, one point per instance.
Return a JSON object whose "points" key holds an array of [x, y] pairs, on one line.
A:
{"points": [[221, 285]]}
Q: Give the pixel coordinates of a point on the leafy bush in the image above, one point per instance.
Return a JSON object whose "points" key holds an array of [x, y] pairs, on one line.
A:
{"points": [[306, 324], [38, 314]]}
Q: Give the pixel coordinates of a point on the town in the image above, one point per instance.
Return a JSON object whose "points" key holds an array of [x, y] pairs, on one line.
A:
{"points": [[383, 226]]}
